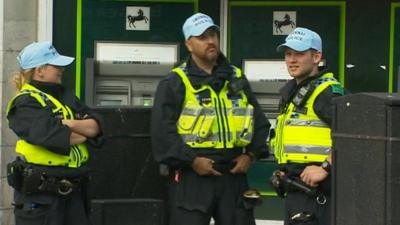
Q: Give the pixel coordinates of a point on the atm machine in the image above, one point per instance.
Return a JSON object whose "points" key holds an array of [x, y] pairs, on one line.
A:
{"points": [[266, 77], [127, 73]]}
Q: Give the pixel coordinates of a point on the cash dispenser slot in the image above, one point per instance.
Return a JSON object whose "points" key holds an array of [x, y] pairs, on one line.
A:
{"points": [[112, 92]]}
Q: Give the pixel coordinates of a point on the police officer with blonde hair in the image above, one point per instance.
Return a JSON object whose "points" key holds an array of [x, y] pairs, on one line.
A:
{"points": [[303, 141], [208, 128], [53, 128]]}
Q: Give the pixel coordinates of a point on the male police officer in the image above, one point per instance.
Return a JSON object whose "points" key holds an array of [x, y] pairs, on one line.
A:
{"points": [[303, 135], [207, 127]]}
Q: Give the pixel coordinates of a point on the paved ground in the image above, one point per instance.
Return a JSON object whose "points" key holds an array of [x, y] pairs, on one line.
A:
{"points": [[269, 222], [263, 222]]}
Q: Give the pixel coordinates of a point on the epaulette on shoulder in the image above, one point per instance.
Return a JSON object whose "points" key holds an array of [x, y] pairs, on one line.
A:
{"points": [[337, 89]]}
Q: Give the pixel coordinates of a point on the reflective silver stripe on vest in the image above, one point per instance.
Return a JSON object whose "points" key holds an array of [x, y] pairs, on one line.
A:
{"points": [[208, 111], [191, 111], [196, 111], [308, 123], [194, 138], [307, 149], [239, 111], [242, 112]]}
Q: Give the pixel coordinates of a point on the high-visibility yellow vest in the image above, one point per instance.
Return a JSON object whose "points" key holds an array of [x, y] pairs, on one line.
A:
{"points": [[224, 122], [40, 155], [303, 137]]}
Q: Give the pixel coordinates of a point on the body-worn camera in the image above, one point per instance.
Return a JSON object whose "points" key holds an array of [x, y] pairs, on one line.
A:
{"points": [[236, 85]]}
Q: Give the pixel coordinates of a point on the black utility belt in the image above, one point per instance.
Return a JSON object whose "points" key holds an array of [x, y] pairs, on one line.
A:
{"points": [[31, 178]]}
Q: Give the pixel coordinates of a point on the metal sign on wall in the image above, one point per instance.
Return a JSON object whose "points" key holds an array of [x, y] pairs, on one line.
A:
{"points": [[137, 18], [284, 22]]}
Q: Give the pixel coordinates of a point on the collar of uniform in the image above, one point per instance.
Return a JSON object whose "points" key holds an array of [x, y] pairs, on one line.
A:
{"points": [[52, 89], [197, 76], [291, 87], [321, 71]]}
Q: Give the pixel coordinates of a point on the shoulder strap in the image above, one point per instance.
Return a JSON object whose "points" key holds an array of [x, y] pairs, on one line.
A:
{"points": [[182, 73], [323, 83], [39, 96], [236, 71], [43, 98], [315, 87]]}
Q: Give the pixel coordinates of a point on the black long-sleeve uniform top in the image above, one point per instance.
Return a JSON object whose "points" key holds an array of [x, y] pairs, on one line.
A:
{"points": [[168, 147], [37, 125], [323, 106]]}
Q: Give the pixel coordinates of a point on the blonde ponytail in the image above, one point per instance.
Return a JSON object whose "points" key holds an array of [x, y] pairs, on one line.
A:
{"points": [[22, 77]]}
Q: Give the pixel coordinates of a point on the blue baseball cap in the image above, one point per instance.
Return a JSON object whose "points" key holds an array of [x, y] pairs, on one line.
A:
{"points": [[41, 53], [301, 39], [197, 24]]}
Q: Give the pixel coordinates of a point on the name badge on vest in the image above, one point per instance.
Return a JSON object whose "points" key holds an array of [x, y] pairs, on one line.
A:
{"points": [[204, 97], [205, 101]]}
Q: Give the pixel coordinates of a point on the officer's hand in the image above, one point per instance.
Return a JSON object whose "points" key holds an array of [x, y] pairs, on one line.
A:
{"points": [[80, 116], [312, 175], [243, 163], [204, 166]]}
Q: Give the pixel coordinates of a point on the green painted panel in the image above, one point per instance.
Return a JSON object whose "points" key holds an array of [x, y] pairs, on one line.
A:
{"points": [[367, 45], [105, 21], [272, 208], [396, 50], [64, 33], [252, 33], [211, 8], [259, 174]]}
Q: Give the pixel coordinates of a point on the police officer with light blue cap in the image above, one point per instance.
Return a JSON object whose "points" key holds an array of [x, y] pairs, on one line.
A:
{"points": [[197, 24], [194, 132], [54, 128], [302, 143], [42, 53], [302, 39]]}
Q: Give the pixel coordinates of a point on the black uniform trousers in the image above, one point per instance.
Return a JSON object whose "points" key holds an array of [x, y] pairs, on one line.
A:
{"points": [[299, 202], [49, 209], [194, 199]]}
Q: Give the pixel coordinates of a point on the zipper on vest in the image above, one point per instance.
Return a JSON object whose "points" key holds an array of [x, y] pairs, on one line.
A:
{"points": [[280, 138], [227, 122], [222, 121], [218, 120]]}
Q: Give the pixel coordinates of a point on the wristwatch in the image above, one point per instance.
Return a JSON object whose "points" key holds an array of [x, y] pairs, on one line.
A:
{"points": [[326, 166]]}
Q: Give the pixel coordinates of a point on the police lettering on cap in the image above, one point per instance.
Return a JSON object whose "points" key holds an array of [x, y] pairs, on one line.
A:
{"points": [[302, 39], [197, 24], [41, 53]]}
